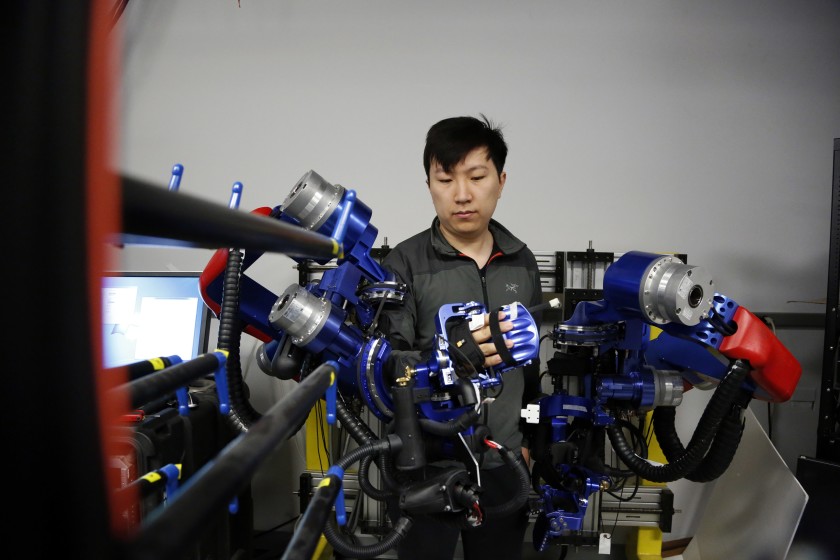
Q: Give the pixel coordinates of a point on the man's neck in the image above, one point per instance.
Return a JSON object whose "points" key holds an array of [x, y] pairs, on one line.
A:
{"points": [[478, 248]]}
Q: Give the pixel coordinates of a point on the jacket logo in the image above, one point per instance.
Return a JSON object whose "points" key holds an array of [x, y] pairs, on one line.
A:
{"points": [[512, 288]]}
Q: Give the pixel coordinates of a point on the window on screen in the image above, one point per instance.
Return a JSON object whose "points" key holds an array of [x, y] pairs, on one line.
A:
{"points": [[151, 315]]}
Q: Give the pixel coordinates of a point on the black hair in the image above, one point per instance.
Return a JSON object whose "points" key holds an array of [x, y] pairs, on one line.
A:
{"points": [[449, 141]]}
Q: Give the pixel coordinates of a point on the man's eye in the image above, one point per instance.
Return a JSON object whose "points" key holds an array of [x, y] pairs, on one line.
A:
{"points": [[479, 178], [444, 180]]}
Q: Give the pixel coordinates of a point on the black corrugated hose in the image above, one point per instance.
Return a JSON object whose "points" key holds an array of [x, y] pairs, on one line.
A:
{"points": [[362, 434], [719, 406], [367, 486], [723, 448], [447, 429], [400, 529], [517, 464], [242, 415]]}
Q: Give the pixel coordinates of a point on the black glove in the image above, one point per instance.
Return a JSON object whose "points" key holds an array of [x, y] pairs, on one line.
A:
{"points": [[463, 348]]}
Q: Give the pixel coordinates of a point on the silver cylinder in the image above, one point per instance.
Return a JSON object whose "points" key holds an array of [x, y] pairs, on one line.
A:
{"points": [[673, 291], [668, 389], [312, 201], [300, 314]]}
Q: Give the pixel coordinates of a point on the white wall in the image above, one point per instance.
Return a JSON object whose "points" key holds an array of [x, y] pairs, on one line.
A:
{"points": [[703, 128]]}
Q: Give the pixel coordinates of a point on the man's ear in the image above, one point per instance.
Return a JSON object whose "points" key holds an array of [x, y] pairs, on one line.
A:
{"points": [[502, 179]]}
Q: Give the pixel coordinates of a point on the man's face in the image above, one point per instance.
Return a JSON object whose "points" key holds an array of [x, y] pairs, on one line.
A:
{"points": [[466, 197]]}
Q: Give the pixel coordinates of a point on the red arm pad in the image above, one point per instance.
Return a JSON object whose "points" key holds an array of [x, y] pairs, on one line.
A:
{"points": [[774, 368]]}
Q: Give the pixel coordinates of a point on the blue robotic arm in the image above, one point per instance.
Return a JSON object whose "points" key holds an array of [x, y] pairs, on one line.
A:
{"points": [[335, 319], [659, 330]]}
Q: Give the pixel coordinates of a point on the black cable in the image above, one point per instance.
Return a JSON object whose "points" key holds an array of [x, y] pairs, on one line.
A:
{"points": [[637, 441], [564, 551], [352, 550], [339, 539], [769, 421], [600, 512], [649, 432], [242, 414], [722, 449], [375, 321], [278, 526], [636, 437], [619, 497], [451, 428], [723, 398], [321, 432], [367, 486], [362, 434], [516, 463]]}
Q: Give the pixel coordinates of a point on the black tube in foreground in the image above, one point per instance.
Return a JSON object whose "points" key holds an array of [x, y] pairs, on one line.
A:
{"points": [[169, 531], [305, 538], [164, 382], [153, 215]]}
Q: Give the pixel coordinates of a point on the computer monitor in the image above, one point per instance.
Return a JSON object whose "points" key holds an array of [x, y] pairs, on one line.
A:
{"points": [[148, 315]]}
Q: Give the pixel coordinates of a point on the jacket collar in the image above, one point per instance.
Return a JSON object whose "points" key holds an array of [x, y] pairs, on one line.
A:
{"points": [[502, 237]]}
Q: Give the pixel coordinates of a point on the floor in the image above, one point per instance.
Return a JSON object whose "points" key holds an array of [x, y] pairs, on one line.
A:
{"points": [[271, 546]]}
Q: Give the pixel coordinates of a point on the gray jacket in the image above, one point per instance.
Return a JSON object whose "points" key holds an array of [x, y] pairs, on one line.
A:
{"points": [[436, 274]]}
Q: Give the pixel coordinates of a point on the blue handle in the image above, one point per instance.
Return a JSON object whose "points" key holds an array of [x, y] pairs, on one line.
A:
{"points": [[340, 510], [344, 218], [221, 382], [235, 195], [173, 475], [175, 179], [183, 396], [332, 394]]}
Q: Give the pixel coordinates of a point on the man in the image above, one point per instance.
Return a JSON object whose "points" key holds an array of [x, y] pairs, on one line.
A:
{"points": [[467, 256]]}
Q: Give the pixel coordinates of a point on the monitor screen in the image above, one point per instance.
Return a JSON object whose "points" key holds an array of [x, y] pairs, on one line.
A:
{"points": [[152, 314]]}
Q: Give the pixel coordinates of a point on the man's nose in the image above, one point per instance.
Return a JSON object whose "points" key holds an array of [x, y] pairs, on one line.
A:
{"points": [[462, 191]]}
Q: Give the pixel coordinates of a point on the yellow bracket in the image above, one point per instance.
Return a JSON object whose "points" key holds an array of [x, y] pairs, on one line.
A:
{"points": [[316, 430], [645, 543]]}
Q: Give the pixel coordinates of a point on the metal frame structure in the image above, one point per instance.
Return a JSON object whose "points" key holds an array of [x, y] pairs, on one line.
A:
{"points": [[828, 435]]}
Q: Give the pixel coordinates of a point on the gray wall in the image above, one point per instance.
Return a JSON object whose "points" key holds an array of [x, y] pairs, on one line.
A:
{"points": [[703, 128]]}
